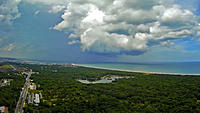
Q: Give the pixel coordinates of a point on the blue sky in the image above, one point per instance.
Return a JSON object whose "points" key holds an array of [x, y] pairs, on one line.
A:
{"points": [[107, 31]]}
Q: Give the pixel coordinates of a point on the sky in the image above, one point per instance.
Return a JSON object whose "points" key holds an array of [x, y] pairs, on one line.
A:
{"points": [[83, 31]]}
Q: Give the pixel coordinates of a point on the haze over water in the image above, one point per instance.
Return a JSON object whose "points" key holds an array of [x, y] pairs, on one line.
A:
{"points": [[179, 68]]}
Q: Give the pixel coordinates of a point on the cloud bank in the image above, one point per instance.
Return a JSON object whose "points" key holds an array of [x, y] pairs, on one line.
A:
{"points": [[119, 26]]}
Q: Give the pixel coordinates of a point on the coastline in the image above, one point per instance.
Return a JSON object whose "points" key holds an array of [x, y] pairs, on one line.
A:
{"points": [[135, 71]]}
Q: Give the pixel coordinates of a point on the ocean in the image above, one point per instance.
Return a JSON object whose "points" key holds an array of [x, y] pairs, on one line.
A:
{"points": [[173, 68]]}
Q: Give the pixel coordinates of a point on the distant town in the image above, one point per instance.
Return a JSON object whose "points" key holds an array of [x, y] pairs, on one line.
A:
{"points": [[28, 94]]}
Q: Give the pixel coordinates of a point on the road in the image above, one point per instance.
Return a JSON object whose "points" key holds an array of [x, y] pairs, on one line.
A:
{"points": [[1, 82], [14, 69], [21, 101]]}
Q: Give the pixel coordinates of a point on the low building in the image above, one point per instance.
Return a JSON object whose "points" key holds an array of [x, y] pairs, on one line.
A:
{"points": [[32, 86], [33, 99], [35, 73], [5, 82], [54, 71], [3, 109]]}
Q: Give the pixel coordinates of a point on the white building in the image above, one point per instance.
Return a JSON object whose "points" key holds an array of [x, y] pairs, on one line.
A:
{"points": [[37, 99], [3, 109]]}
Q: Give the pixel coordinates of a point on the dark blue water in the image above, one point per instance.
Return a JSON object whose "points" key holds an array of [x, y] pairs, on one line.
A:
{"points": [[179, 68]]}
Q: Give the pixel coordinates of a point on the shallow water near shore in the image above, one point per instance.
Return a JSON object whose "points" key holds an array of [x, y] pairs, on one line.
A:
{"points": [[95, 82], [175, 68], [105, 79]]}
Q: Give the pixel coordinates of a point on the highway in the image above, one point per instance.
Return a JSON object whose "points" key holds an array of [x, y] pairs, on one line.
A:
{"points": [[21, 101]]}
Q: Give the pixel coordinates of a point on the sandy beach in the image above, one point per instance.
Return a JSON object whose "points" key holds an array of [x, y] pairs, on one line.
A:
{"points": [[135, 71]]}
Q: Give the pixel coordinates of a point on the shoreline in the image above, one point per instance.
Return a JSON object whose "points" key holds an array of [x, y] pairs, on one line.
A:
{"points": [[134, 71]]}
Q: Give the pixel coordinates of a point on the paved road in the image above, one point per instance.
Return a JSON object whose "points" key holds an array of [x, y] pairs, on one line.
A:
{"points": [[1, 82], [21, 101], [14, 69]]}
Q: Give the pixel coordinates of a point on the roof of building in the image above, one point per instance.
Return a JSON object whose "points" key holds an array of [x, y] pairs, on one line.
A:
{"points": [[37, 98], [4, 109]]}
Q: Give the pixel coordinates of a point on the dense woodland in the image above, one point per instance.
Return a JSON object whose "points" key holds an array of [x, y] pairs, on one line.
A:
{"points": [[143, 93], [9, 94]]}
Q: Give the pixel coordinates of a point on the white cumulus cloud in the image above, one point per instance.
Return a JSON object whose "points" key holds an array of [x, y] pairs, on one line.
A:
{"points": [[37, 12], [9, 47], [47, 2], [56, 8], [126, 25], [116, 25], [9, 11]]}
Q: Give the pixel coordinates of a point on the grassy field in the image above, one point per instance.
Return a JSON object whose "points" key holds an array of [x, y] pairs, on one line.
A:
{"points": [[5, 67]]}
